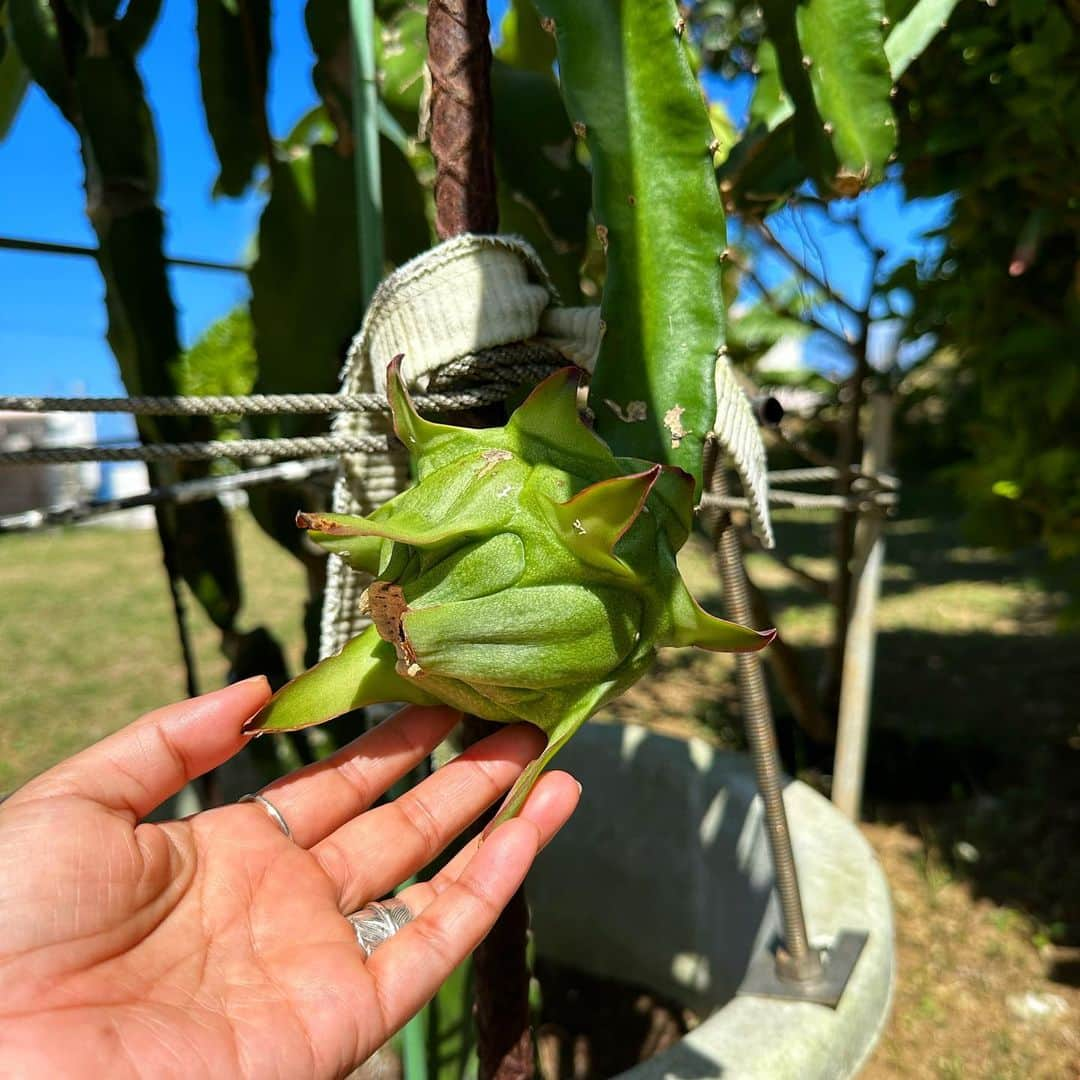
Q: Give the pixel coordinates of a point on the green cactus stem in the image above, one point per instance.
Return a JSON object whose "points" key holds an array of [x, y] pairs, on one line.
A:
{"points": [[634, 100], [528, 575]]}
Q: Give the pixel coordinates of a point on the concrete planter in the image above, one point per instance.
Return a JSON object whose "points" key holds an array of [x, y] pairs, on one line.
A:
{"points": [[663, 878]]}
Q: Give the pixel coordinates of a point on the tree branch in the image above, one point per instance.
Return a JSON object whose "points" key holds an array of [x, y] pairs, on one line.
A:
{"points": [[770, 238]]}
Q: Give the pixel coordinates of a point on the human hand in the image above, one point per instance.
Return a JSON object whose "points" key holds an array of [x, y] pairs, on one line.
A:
{"points": [[215, 946]]}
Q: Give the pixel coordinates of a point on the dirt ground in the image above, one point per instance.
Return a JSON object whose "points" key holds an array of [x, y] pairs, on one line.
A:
{"points": [[972, 790], [980, 991]]}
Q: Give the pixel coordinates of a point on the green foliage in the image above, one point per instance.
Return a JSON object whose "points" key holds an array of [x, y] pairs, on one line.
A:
{"points": [[305, 298], [100, 92], [133, 29], [234, 51], [406, 232], [525, 43], [761, 326], [33, 30], [327, 23], [916, 25], [14, 78], [400, 55], [821, 107], [223, 360], [544, 190], [634, 99], [448, 1027], [843, 46], [521, 578], [992, 111], [824, 64]]}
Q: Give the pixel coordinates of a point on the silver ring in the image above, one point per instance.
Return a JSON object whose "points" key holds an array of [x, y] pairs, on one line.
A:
{"points": [[377, 922], [272, 810]]}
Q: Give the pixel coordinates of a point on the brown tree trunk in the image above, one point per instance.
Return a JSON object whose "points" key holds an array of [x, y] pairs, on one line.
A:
{"points": [[459, 58]]}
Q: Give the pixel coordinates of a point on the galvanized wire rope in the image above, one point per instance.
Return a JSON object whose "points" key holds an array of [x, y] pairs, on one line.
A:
{"points": [[232, 449], [529, 364], [801, 500], [828, 473], [184, 491], [254, 404]]}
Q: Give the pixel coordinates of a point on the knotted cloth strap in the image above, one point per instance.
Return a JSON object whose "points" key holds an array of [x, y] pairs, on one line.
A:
{"points": [[466, 296]]}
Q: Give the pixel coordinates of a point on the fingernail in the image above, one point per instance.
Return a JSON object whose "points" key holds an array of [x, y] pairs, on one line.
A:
{"points": [[579, 789]]}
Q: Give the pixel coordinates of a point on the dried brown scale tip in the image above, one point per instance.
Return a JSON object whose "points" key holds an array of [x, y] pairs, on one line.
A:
{"points": [[319, 523]]}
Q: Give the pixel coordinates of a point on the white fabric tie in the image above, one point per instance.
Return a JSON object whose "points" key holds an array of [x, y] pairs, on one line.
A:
{"points": [[466, 295]]}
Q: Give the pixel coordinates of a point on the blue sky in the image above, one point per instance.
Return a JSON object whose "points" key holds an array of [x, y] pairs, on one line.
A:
{"points": [[52, 320]]}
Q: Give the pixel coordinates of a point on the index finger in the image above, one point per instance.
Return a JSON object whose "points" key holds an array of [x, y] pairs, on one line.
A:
{"points": [[141, 765]]}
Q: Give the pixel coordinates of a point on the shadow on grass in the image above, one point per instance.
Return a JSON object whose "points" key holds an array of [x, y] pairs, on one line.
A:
{"points": [[974, 744], [927, 543], [974, 747]]}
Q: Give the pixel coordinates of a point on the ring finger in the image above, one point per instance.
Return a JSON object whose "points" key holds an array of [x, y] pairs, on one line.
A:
{"points": [[548, 807]]}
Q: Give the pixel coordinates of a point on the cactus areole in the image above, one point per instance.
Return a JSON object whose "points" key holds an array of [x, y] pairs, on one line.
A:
{"points": [[529, 574]]}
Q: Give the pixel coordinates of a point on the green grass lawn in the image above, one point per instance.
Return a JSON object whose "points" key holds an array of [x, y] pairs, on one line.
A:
{"points": [[88, 639]]}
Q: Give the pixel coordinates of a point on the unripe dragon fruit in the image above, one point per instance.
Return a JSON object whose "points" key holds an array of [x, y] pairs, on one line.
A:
{"points": [[529, 574]]}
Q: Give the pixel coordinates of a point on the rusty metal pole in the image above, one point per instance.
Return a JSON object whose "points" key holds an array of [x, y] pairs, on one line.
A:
{"points": [[797, 961], [462, 142]]}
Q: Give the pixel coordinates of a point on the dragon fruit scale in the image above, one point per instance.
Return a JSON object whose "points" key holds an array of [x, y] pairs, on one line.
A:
{"points": [[528, 574]]}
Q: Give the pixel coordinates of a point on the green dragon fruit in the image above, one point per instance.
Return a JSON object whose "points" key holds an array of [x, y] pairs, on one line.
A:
{"points": [[528, 575]]}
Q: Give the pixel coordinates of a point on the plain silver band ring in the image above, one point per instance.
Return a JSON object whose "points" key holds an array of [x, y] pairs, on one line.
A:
{"points": [[379, 921], [272, 810]]}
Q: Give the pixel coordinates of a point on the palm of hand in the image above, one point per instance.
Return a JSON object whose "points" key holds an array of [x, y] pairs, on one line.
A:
{"points": [[244, 923], [217, 946]]}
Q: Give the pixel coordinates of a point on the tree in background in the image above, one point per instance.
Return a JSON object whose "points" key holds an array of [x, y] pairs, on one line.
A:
{"points": [[992, 113]]}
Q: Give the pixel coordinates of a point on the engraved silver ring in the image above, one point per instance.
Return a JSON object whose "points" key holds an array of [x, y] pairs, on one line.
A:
{"points": [[379, 921]]}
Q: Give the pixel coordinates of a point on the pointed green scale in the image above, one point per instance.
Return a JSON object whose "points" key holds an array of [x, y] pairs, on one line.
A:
{"points": [[674, 489], [471, 572], [559, 730], [361, 674], [431, 445], [337, 531], [332, 531], [693, 625], [595, 519], [550, 415], [527, 637]]}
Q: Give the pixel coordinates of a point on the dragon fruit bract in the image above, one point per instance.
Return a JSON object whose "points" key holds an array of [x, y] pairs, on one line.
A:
{"points": [[528, 574]]}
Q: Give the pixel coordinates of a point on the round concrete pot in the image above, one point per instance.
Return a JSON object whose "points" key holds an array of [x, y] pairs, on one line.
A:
{"points": [[663, 878]]}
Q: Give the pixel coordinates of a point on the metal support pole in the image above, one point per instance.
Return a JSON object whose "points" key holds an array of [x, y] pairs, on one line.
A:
{"points": [[856, 686], [796, 961], [796, 970]]}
